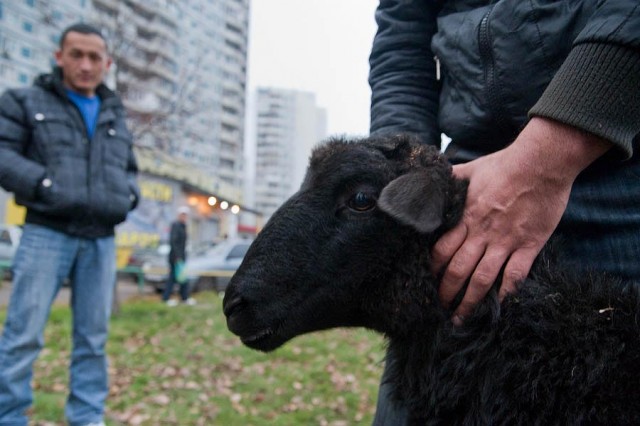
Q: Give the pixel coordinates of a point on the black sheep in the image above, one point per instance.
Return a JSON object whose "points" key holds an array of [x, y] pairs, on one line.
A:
{"points": [[351, 249]]}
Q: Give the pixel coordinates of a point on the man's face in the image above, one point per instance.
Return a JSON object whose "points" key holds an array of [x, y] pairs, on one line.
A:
{"points": [[84, 61]]}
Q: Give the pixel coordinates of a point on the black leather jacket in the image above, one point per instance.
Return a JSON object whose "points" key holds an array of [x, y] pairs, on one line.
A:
{"points": [[90, 184], [477, 69], [178, 241]]}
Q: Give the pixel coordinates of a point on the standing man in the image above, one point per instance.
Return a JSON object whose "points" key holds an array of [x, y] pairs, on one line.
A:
{"points": [[67, 156], [541, 101], [177, 257]]}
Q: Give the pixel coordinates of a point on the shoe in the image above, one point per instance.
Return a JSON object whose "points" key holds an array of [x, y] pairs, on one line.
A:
{"points": [[171, 303], [190, 301], [95, 424]]}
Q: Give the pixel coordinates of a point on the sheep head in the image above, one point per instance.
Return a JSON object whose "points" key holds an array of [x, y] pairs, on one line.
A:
{"points": [[351, 247]]}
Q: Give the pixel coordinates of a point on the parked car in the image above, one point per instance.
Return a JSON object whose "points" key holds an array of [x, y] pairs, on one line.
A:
{"points": [[154, 264], [9, 240], [212, 269]]}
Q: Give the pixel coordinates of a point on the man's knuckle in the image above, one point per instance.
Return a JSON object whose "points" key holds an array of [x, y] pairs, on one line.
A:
{"points": [[456, 270], [516, 277], [483, 280], [442, 249]]}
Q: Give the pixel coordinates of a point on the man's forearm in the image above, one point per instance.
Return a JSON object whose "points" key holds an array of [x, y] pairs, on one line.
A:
{"points": [[557, 151]]}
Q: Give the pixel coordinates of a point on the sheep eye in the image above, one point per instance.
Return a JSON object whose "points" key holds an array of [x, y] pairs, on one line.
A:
{"points": [[361, 202]]}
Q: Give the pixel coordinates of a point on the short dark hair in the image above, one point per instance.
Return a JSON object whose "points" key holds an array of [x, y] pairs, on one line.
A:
{"points": [[83, 28]]}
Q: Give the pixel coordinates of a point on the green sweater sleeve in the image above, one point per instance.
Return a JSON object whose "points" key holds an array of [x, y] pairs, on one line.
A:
{"points": [[597, 89]]}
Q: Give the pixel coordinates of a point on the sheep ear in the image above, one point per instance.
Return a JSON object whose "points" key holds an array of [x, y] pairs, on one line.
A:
{"points": [[414, 199]]}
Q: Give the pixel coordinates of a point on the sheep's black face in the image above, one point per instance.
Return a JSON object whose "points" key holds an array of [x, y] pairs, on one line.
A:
{"points": [[333, 255]]}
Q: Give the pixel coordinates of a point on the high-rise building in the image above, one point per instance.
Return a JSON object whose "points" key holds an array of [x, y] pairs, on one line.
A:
{"points": [[214, 52], [181, 69], [288, 124], [29, 32]]}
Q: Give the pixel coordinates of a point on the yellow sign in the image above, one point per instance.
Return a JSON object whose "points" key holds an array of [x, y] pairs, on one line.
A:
{"points": [[122, 256], [14, 214], [137, 239], [156, 191], [162, 164]]}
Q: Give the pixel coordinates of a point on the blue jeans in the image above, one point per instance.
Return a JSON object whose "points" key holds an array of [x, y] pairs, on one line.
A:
{"points": [[599, 231], [44, 259], [171, 281]]}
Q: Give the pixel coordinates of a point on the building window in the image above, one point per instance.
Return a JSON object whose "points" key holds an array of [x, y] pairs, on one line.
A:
{"points": [[23, 78], [26, 52], [27, 26], [30, 3]]}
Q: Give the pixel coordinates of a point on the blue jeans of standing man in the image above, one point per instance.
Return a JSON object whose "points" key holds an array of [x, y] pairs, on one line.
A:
{"points": [[44, 259]]}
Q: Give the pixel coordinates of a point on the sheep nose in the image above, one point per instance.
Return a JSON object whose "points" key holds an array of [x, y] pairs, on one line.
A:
{"points": [[229, 305]]}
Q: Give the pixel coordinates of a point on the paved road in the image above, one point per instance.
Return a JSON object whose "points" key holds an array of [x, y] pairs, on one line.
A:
{"points": [[126, 289]]}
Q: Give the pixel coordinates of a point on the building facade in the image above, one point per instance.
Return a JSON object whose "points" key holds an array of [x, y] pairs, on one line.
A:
{"points": [[29, 31], [180, 68], [288, 124]]}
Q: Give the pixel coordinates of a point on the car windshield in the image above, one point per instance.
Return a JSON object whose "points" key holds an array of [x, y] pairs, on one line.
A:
{"points": [[222, 249], [238, 251]]}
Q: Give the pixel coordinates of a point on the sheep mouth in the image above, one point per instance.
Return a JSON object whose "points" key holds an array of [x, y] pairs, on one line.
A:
{"points": [[257, 337], [265, 340]]}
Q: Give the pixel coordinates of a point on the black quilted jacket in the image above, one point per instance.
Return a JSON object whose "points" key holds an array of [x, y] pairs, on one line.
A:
{"points": [[476, 69], [90, 183]]}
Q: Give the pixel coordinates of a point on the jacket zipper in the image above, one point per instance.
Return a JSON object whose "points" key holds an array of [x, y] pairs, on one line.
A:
{"points": [[86, 141], [488, 61]]}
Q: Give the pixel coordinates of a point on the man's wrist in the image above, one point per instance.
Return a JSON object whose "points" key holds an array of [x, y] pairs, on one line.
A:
{"points": [[557, 149]]}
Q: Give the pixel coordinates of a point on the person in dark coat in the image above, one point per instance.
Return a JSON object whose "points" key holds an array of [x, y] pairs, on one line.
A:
{"points": [[66, 154], [177, 257], [541, 102]]}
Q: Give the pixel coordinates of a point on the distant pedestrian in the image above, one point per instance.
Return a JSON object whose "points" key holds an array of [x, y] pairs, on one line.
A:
{"points": [[66, 154], [177, 258]]}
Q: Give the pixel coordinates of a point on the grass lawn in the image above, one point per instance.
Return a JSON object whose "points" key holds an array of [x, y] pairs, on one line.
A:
{"points": [[181, 366]]}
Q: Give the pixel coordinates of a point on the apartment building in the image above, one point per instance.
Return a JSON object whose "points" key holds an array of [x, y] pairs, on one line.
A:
{"points": [[29, 31], [288, 124]]}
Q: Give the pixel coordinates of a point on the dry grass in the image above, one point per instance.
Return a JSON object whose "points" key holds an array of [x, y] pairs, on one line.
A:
{"points": [[181, 366]]}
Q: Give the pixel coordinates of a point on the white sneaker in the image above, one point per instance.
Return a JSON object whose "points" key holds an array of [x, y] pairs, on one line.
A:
{"points": [[190, 301], [95, 424], [171, 303]]}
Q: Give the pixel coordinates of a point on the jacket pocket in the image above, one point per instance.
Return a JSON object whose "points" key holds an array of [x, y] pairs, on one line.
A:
{"points": [[68, 193]]}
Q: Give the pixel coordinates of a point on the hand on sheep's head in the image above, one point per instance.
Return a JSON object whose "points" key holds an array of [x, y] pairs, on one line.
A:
{"points": [[515, 200], [351, 247]]}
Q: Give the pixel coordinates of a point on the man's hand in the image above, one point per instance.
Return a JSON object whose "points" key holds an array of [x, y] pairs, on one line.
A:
{"points": [[515, 200]]}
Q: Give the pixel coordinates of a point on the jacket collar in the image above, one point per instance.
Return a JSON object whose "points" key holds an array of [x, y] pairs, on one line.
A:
{"points": [[53, 81]]}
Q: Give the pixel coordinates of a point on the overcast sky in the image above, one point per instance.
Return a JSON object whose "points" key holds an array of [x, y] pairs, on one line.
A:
{"points": [[320, 46]]}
